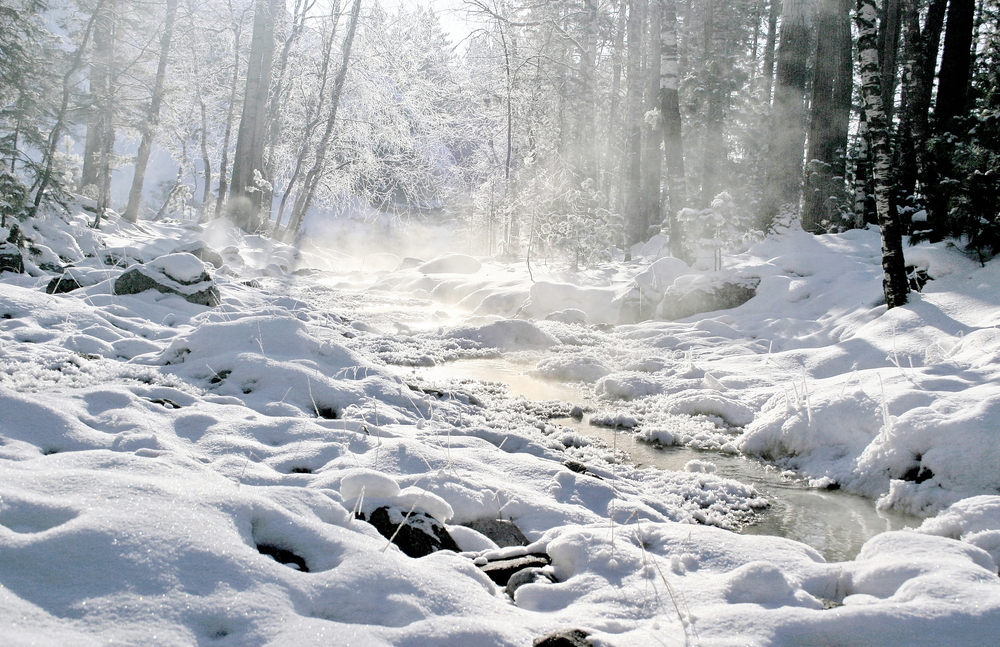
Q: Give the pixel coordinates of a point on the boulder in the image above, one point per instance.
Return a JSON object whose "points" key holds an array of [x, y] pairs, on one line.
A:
{"points": [[682, 302], [120, 257], [182, 274], [409, 263], [63, 283], [531, 575], [11, 259], [503, 533], [203, 252], [417, 535], [501, 570], [231, 255]]}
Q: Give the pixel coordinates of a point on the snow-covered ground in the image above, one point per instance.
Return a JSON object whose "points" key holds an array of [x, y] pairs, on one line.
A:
{"points": [[151, 448]]}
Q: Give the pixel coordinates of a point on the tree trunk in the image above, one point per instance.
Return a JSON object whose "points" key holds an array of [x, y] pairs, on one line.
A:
{"points": [[956, 60], [274, 112], [784, 182], [828, 125], [313, 113], [861, 164], [888, 43], [205, 160], [245, 201], [652, 137], [153, 117], [774, 8], [614, 122], [100, 76], [106, 124], [633, 128], [230, 113], [714, 69], [670, 124], [42, 180], [586, 134], [894, 281], [923, 88], [308, 189]]}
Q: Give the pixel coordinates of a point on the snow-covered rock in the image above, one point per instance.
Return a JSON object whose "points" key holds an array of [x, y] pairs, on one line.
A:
{"points": [[182, 274]]}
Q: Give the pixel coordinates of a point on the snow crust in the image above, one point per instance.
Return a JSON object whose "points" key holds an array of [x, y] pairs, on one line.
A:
{"points": [[151, 448]]}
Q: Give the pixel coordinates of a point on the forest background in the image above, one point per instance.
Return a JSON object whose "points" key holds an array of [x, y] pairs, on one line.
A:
{"points": [[556, 129]]}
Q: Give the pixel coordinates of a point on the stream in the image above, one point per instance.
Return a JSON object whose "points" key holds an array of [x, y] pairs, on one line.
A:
{"points": [[835, 523]]}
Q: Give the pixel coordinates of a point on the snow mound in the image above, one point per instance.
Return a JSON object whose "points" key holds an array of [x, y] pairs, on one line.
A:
{"points": [[547, 297], [571, 368], [975, 520], [451, 264], [182, 267], [368, 483], [627, 386], [661, 274], [506, 334]]}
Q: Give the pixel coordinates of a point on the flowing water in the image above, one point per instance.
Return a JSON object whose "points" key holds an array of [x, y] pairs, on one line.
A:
{"points": [[835, 523]]}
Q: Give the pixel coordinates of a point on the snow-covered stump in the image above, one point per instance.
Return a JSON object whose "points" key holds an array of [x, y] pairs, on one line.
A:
{"points": [[182, 274]]}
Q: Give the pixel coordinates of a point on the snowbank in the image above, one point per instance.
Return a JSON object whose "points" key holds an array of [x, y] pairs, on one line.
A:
{"points": [[184, 475]]}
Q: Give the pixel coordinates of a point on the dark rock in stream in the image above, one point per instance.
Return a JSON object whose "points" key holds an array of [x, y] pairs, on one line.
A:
{"points": [[503, 533], [580, 468], [501, 570], [417, 535], [533, 575], [283, 556], [569, 638]]}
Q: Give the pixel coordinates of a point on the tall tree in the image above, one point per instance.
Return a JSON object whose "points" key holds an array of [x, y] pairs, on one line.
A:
{"points": [[773, 10], [671, 125], [236, 26], [632, 180], [245, 195], [956, 59], [307, 190], [888, 47], [784, 177], [44, 178], [652, 137], [894, 281], [830, 114], [151, 123], [97, 108]]}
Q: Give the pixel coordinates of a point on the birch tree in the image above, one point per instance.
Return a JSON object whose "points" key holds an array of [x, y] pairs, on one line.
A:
{"points": [[894, 281]]}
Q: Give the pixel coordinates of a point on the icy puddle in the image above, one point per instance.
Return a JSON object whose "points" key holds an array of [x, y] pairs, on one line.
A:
{"points": [[837, 524]]}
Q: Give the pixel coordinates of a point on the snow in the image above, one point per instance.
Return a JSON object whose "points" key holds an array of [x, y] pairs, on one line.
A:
{"points": [[151, 448], [183, 268], [450, 264]]}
